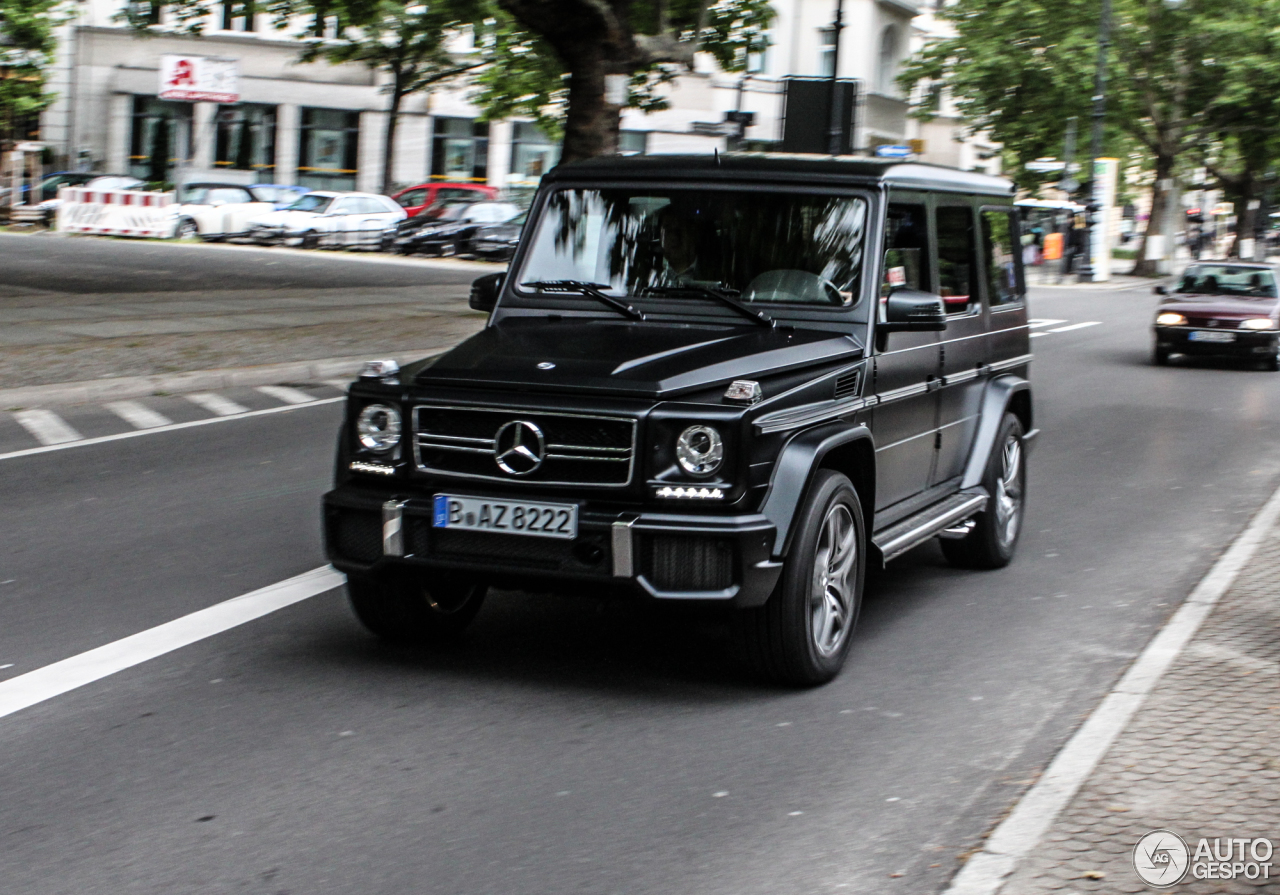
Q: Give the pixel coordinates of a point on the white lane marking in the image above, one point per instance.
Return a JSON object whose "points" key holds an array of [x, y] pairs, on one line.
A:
{"points": [[1067, 329], [1020, 832], [138, 415], [286, 394], [340, 384], [176, 426], [1038, 335], [217, 404], [47, 427], [45, 683], [1037, 322]]}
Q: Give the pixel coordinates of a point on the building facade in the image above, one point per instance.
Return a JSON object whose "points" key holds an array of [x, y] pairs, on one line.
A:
{"points": [[323, 125]]}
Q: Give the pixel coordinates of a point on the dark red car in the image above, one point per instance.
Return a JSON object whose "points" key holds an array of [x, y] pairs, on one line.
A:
{"points": [[415, 199], [1220, 309]]}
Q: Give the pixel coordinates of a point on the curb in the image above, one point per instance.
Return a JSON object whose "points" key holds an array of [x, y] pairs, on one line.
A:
{"points": [[180, 383]]}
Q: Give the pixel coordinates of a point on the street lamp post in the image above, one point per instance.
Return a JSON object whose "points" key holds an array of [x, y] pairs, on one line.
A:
{"points": [[836, 131], [1095, 141]]}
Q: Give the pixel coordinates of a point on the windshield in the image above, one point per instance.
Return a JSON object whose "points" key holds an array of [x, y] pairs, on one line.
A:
{"points": [[764, 247], [1226, 279], [312, 202]]}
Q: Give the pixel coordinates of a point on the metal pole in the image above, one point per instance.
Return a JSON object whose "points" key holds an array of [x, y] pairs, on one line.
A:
{"points": [[1095, 143], [836, 131]]}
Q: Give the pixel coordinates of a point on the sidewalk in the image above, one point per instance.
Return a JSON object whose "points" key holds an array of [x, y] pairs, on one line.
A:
{"points": [[1199, 758]]}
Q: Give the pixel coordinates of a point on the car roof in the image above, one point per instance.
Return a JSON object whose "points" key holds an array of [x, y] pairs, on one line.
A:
{"points": [[785, 167], [451, 183], [1251, 265]]}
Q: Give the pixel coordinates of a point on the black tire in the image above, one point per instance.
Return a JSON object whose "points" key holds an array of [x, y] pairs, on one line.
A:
{"points": [[1160, 356], [798, 637], [1272, 361], [994, 538], [186, 229], [416, 608], [311, 240]]}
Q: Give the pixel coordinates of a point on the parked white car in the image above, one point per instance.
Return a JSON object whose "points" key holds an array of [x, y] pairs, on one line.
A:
{"points": [[214, 211], [325, 218]]}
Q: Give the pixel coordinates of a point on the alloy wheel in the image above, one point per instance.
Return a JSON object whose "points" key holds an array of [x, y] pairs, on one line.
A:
{"points": [[1008, 496], [831, 596]]}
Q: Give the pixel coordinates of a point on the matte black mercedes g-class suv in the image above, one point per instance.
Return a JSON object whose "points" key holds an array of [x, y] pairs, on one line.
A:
{"points": [[735, 379]]}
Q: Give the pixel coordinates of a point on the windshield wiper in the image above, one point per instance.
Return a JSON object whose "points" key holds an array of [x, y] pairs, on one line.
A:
{"points": [[593, 290], [724, 298]]}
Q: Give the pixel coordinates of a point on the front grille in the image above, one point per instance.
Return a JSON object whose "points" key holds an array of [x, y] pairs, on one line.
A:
{"points": [[576, 449], [1212, 322], [688, 563], [357, 536]]}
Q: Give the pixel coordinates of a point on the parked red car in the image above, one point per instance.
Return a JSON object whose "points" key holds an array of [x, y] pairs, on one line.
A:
{"points": [[415, 199]]}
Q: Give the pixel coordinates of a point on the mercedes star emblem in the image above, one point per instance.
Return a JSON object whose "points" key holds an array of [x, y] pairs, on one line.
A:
{"points": [[519, 447], [546, 365]]}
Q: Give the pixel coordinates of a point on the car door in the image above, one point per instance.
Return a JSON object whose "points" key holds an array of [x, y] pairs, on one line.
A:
{"points": [[963, 347], [905, 367], [340, 220]]}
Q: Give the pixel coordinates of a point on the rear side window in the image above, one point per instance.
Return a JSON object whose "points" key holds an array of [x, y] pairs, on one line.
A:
{"points": [[1003, 287], [412, 199], [956, 254], [906, 254], [458, 193]]}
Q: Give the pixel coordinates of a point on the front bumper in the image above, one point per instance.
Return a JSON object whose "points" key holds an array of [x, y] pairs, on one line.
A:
{"points": [[1247, 343], [664, 556]]}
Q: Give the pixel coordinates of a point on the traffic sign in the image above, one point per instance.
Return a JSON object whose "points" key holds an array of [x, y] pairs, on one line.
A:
{"points": [[893, 151]]}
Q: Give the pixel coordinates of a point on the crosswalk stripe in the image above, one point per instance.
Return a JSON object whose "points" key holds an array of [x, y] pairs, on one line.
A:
{"points": [[138, 415], [340, 384], [1038, 335], [286, 394], [46, 426], [1067, 329], [1036, 323], [217, 404]]}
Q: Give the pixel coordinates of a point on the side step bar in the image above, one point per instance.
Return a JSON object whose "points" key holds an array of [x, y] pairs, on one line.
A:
{"points": [[900, 537]]}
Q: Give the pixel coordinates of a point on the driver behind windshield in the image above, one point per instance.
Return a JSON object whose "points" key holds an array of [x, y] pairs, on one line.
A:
{"points": [[680, 261]]}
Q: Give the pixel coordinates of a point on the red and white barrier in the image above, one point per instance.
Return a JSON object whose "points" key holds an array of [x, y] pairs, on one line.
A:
{"points": [[115, 212]]}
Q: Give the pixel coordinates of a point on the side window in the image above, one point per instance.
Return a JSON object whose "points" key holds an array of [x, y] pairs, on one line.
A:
{"points": [[998, 251], [906, 252], [344, 206], [413, 198], [956, 256]]}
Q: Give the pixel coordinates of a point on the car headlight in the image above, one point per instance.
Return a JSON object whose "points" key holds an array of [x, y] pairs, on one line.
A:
{"points": [[378, 427], [699, 450], [1256, 323], [1168, 318]]}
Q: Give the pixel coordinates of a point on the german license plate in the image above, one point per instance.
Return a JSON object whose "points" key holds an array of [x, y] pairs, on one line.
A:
{"points": [[512, 517], [1204, 336]]}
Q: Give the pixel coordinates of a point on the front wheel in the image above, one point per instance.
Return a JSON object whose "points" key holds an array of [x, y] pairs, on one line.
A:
{"points": [[311, 240], [187, 229], [991, 542], [1160, 356], [410, 607], [801, 636]]}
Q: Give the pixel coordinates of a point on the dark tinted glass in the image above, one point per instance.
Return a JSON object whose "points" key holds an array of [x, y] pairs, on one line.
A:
{"points": [[956, 254], [999, 251]]}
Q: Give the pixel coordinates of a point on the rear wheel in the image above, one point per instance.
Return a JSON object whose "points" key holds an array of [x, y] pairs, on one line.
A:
{"points": [[187, 229], [409, 607], [994, 537], [801, 636]]}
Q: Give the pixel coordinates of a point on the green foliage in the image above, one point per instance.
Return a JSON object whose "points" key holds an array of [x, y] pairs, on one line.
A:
{"points": [[523, 76], [27, 45]]}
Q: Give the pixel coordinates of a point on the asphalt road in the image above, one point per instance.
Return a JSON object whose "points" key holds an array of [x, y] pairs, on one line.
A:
{"points": [[569, 746]]}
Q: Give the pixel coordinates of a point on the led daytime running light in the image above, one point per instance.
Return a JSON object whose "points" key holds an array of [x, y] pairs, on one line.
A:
{"points": [[692, 491]]}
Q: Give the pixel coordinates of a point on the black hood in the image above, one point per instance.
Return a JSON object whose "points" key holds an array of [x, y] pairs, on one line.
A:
{"points": [[625, 358]]}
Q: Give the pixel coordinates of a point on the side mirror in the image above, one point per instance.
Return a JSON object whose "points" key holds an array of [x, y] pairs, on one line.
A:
{"points": [[484, 292], [909, 310], [1160, 290]]}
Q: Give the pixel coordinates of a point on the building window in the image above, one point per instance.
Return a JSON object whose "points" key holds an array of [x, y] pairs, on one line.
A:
{"points": [[160, 138], [327, 149], [887, 70], [246, 140], [827, 53], [532, 152], [239, 15], [460, 150], [633, 142]]}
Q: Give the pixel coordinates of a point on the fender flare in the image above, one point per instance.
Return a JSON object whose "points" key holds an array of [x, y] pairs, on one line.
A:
{"points": [[996, 398], [793, 471]]}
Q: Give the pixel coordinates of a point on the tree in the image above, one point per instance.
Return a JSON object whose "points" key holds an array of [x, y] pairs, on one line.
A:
{"points": [[27, 44], [1020, 67], [562, 52]]}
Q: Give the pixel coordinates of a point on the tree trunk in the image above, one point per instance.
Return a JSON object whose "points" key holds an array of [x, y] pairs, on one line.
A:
{"points": [[591, 124], [389, 142], [1142, 267], [1246, 215]]}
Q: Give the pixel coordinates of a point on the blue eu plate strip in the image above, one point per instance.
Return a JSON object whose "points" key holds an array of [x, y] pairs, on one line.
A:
{"points": [[441, 511]]}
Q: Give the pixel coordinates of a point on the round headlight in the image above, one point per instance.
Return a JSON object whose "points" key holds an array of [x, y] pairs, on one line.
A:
{"points": [[699, 450], [378, 427], [1168, 318]]}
